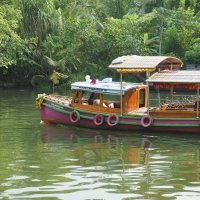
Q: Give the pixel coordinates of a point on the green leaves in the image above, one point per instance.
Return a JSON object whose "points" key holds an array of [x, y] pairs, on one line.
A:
{"points": [[55, 78], [181, 31], [11, 45], [193, 55], [80, 37]]}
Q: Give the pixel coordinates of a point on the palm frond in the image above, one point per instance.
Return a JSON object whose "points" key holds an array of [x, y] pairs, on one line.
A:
{"points": [[54, 77], [50, 61], [36, 79], [152, 41], [61, 65]]}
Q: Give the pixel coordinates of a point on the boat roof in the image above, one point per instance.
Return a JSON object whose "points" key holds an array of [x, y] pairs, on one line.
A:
{"points": [[180, 76], [134, 63], [105, 87]]}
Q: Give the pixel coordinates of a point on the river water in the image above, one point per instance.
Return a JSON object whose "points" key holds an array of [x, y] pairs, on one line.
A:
{"points": [[39, 161]]}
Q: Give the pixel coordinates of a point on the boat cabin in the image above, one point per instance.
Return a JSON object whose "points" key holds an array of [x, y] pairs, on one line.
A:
{"points": [[122, 98], [165, 74], [184, 105], [105, 96]]}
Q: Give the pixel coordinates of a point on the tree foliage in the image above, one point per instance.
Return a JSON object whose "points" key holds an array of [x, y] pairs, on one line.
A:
{"points": [[11, 44], [79, 37]]}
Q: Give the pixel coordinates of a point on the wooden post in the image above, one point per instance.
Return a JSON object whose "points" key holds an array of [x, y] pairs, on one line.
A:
{"points": [[121, 94], [198, 103]]}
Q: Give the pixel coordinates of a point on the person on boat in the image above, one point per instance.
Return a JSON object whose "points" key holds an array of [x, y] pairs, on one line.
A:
{"points": [[91, 99], [111, 105], [114, 105], [96, 102], [196, 67]]}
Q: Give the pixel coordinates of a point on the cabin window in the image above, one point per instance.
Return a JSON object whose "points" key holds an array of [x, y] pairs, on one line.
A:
{"points": [[86, 98], [76, 97], [112, 101], [95, 99], [111, 97], [92, 96], [142, 98], [81, 97]]}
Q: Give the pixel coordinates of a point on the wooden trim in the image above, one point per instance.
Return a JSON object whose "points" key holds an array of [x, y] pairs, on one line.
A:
{"points": [[173, 113], [97, 109]]}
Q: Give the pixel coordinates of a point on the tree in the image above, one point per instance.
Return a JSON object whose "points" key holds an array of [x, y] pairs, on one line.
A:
{"points": [[193, 55], [39, 19], [11, 45], [181, 32]]}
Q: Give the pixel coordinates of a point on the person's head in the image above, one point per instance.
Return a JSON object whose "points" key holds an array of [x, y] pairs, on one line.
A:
{"points": [[90, 101]]}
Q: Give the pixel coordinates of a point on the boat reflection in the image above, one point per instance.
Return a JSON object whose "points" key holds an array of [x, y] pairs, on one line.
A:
{"points": [[123, 162], [103, 147]]}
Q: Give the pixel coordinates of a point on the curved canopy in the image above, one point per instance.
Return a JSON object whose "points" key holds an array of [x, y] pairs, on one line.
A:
{"points": [[176, 79], [105, 87], [134, 63]]}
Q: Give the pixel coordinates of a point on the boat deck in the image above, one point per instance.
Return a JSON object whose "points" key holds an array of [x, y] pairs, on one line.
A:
{"points": [[139, 111]]}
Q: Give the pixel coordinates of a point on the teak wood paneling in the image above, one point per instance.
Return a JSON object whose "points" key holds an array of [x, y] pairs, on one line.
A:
{"points": [[173, 113]]}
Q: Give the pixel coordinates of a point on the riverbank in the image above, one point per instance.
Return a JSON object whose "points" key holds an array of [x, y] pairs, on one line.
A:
{"points": [[5, 85]]}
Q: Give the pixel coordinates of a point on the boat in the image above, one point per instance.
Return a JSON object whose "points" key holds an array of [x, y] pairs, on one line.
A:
{"points": [[106, 104]]}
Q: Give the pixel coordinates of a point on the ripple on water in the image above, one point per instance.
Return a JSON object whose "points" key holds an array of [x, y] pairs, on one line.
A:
{"points": [[41, 161]]}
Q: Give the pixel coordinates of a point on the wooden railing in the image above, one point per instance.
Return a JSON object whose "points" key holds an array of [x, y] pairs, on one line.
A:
{"points": [[177, 102]]}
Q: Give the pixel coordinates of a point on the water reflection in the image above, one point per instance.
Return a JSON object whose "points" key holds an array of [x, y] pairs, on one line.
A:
{"points": [[133, 166], [55, 162], [90, 143], [75, 164]]}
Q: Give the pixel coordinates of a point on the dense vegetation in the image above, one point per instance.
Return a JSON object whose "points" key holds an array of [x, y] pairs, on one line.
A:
{"points": [[79, 37]]}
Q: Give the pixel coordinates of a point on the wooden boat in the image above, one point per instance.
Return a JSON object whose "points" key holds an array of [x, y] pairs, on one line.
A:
{"points": [[127, 106]]}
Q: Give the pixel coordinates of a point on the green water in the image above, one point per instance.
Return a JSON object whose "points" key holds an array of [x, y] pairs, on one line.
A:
{"points": [[40, 161]]}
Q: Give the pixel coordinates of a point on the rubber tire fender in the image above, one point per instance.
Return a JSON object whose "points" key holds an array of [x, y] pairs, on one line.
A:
{"points": [[74, 116], [98, 119], [146, 121], [111, 117]]}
